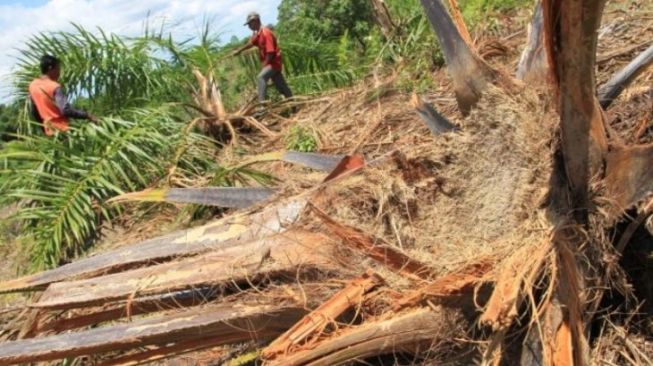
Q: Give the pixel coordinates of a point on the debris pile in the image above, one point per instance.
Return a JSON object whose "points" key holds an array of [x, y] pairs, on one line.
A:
{"points": [[481, 237]]}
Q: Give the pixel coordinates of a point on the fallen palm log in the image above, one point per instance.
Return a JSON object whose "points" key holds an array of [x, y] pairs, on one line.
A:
{"points": [[314, 324], [285, 253], [436, 122], [127, 309], [225, 233], [230, 324], [420, 327], [227, 197], [613, 88], [377, 249]]}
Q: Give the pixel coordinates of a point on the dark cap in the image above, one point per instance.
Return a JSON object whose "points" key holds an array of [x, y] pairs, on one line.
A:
{"points": [[252, 16]]}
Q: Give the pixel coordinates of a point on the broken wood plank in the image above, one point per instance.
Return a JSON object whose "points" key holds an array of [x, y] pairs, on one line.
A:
{"points": [[281, 254], [377, 249], [420, 327], [613, 88], [224, 233], [436, 122], [313, 324], [227, 197], [231, 324]]}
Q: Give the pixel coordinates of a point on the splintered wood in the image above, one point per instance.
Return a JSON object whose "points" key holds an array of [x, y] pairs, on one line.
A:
{"points": [[280, 254], [377, 249], [306, 331], [286, 283], [231, 324]]}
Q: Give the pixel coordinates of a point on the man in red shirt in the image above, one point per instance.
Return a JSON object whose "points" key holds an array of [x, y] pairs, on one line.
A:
{"points": [[270, 55]]}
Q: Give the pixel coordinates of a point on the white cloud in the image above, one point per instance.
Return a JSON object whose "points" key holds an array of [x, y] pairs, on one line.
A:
{"points": [[125, 17]]}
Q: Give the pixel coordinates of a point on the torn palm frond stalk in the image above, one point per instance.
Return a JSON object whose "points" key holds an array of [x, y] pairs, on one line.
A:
{"points": [[406, 331], [285, 254], [436, 122], [230, 324], [377, 249], [613, 88], [221, 234], [321, 162], [306, 331], [227, 197]]}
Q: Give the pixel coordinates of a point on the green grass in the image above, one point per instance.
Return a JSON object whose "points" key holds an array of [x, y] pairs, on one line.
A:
{"points": [[301, 139]]}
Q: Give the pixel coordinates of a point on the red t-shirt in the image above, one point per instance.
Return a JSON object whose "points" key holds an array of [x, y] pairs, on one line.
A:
{"points": [[266, 43]]}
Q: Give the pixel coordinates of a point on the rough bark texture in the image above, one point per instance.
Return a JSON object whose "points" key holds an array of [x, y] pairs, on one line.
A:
{"points": [[231, 324], [277, 255], [225, 233]]}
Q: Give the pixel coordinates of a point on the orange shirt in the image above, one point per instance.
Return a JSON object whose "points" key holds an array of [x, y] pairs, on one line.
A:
{"points": [[42, 91], [266, 43]]}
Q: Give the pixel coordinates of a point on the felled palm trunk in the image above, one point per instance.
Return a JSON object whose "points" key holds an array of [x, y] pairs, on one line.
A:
{"points": [[274, 256], [229, 324], [225, 233]]}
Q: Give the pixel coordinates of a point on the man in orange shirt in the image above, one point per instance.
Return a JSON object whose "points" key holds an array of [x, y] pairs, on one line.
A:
{"points": [[270, 55], [49, 103]]}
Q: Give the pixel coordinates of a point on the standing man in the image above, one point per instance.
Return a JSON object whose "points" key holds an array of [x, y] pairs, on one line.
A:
{"points": [[270, 55], [49, 103]]}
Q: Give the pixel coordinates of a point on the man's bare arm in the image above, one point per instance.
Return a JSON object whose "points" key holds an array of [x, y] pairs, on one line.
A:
{"points": [[243, 48]]}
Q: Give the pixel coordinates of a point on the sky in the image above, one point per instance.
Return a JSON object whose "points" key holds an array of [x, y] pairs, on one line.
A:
{"points": [[21, 18]]}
